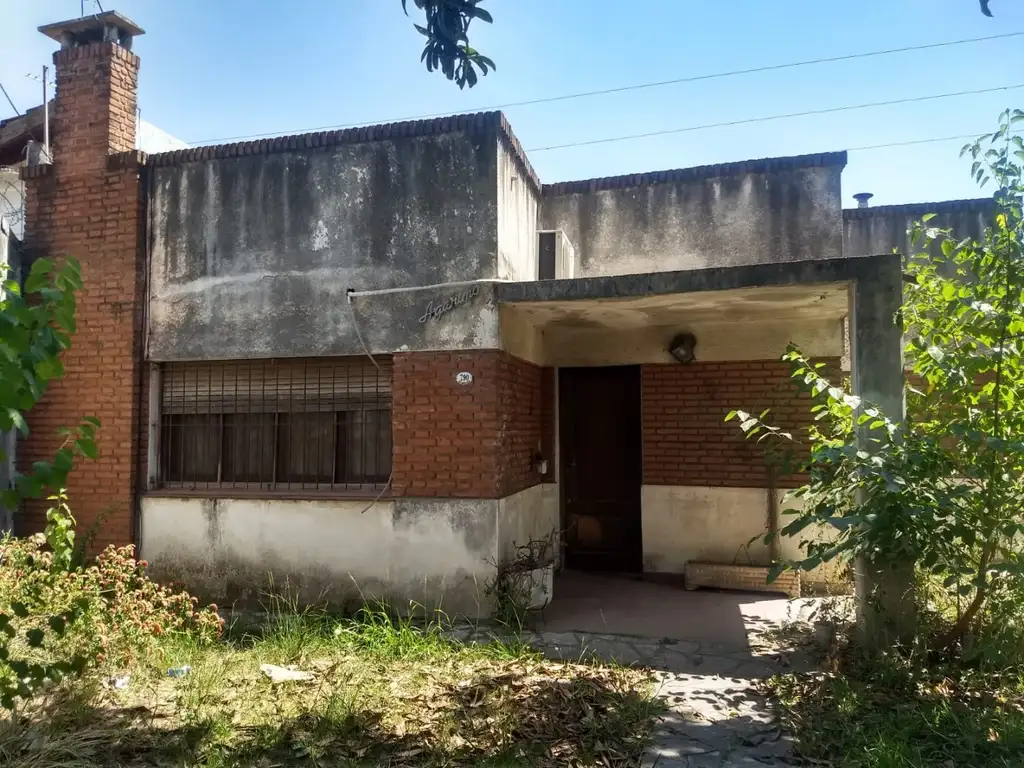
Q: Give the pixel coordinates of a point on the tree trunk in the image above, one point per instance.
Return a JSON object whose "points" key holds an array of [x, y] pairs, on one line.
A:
{"points": [[772, 506], [886, 606]]}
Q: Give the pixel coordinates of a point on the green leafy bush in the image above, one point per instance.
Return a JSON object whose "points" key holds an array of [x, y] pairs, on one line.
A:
{"points": [[108, 614]]}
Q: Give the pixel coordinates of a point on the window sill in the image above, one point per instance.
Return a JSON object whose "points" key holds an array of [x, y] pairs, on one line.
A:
{"points": [[285, 494]]}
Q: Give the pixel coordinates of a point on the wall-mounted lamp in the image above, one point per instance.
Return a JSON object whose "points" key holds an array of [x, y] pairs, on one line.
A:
{"points": [[683, 347], [540, 464]]}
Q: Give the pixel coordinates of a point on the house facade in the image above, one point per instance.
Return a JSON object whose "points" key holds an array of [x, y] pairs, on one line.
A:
{"points": [[374, 361]]}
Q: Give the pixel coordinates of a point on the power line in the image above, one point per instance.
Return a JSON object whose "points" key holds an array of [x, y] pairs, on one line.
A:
{"points": [[641, 86], [9, 100], [767, 118], [934, 140], [754, 70]]}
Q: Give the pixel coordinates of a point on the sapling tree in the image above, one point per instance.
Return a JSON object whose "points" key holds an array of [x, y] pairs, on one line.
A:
{"points": [[36, 323]]}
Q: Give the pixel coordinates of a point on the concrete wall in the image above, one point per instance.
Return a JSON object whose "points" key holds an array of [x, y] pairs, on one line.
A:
{"points": [[436, 552], [518, 208], [454, 316], [744, 218], [530, 515], [431, 551], [682, 523], [252, 256], [757, 338], [870, 231]]}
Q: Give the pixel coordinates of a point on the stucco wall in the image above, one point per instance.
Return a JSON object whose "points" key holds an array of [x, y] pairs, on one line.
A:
{"points": [[434, 552], [518, 208], [682, 523], [530, 515], [718, 221], [440, 318], [871, 231], [252, 256]]}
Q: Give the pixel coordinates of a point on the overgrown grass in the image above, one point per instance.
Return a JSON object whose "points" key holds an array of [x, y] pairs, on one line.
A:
{"points": [[897, 712], [386, 690]]}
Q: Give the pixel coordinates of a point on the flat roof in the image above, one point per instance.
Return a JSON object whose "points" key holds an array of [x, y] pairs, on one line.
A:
{"points": [[847, 269]]}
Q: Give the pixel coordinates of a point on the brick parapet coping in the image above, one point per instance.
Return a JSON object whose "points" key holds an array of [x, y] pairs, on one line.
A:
{"points": [[979, 205], [765, 165], [478, 123]]}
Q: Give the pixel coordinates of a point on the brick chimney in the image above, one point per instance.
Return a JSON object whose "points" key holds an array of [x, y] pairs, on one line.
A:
{"points": [[88, 204]]}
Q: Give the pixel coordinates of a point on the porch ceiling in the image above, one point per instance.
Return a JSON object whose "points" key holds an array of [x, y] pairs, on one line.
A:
{"points": [[827, 301]]}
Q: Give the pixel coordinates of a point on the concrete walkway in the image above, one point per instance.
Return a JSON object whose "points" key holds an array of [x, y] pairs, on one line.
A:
{"points": [[715, 715], [628, 605], [707, 652]]}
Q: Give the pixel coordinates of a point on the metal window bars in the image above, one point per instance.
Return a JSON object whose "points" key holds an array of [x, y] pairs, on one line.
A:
{"points": [[321, 424]]}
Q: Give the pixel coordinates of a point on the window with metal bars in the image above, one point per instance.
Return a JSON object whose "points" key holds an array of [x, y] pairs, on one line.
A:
{"points": [[321, 424]]}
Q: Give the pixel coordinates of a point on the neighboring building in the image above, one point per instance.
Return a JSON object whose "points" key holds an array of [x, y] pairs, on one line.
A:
{"points": [[372, 361], [16, 134]]}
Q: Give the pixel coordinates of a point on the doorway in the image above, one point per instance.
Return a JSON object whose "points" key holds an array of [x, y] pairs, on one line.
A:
{"points": [[600, 435]]}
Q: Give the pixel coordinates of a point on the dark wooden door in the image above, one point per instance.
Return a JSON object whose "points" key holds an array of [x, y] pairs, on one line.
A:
{"points": [[601, 453]]}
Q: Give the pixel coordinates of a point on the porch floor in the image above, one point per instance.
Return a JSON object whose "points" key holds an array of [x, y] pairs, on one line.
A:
{"points": [[622, 604]]}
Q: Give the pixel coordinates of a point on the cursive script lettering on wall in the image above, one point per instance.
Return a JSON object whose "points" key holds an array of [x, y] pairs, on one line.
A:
{"points": [[434, 311]]}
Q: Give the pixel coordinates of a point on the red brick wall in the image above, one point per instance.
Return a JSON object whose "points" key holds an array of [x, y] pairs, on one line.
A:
{"points": [[687, 441], [474, 441], [89, 205], [521, 423]]}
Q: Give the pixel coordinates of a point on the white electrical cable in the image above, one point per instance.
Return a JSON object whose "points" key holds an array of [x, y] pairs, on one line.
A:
{"points": [[349, 294], [355, 324], [412, 288]]}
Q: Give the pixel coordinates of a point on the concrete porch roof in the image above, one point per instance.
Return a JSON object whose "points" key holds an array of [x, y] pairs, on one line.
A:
{"points": [[736, 313], [822, 301], [785, 274]]}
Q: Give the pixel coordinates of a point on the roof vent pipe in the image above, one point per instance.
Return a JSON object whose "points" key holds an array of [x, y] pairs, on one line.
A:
{"points": [[862, 199]]}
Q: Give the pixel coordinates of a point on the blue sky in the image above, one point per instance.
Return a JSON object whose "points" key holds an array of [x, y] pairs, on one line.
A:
{"points": [[213, 70]]}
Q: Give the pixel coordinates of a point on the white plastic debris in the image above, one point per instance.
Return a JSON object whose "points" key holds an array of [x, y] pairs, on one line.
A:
{"points": [[120, 683], [284, 674], [179, 671]]}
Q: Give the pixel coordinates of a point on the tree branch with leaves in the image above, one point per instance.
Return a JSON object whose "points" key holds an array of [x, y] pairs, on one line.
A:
{"points": [[447, 31]]}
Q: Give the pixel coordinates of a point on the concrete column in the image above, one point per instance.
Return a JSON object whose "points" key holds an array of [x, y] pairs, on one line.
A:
{"points": [[885, 591]]}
